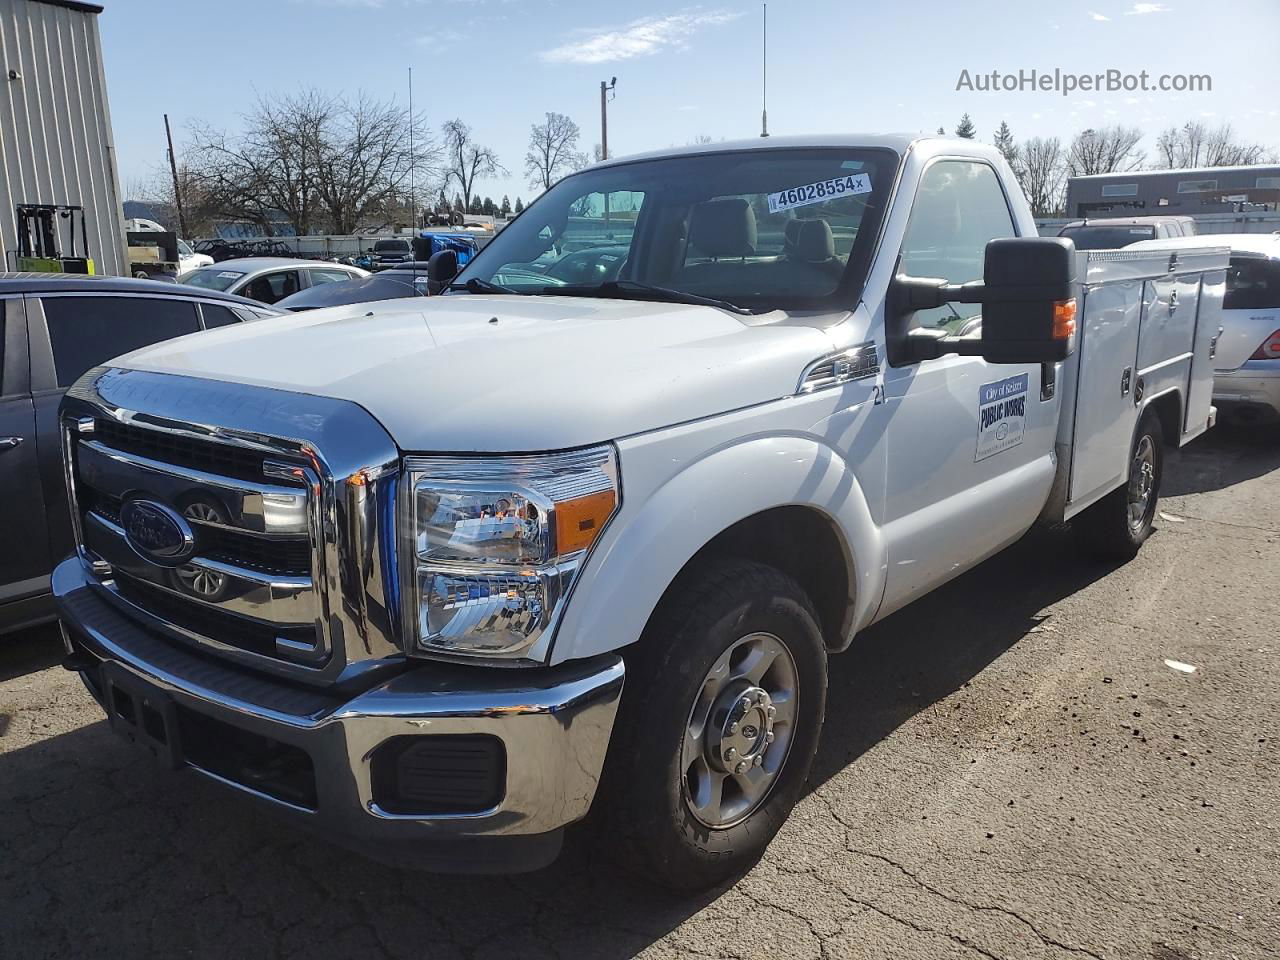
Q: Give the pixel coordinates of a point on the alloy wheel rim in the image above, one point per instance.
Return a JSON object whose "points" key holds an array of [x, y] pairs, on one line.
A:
{"points": [[1141, 482], [739, 731]]}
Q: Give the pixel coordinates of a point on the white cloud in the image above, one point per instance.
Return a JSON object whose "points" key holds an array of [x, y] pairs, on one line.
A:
{"points": [[1142, 8], [1098, 16], [639, 38]]}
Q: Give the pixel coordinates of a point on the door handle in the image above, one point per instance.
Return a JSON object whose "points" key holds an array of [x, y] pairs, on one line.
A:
{"points": [[8, 443]]}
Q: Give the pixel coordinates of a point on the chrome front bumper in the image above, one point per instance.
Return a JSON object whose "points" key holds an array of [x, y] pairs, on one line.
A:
{"points": [[554, 725]]}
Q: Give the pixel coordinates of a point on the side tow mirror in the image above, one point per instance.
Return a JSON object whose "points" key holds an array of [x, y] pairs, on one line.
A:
{"points": [[441, 268], [1029, 309]]}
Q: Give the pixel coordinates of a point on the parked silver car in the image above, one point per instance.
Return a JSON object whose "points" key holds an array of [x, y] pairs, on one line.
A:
{"points": [[1246, 380], [269, 279]]}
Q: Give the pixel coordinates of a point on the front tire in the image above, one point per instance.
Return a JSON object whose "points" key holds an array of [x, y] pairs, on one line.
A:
{"points": [[1117, 525], [726, 694]]}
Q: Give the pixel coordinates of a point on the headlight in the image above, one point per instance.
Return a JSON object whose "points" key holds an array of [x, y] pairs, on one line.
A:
{"points": [[497, 543]]}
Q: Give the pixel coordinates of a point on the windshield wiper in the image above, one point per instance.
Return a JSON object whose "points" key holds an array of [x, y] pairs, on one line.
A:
{"points": [[476, 285], [627, 290]]}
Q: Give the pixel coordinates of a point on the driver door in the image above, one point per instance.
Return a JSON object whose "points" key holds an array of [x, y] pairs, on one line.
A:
{"points": [[965, 475]]}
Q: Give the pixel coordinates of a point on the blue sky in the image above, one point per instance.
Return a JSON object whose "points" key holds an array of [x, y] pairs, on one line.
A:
{"points": [[684, 71]]}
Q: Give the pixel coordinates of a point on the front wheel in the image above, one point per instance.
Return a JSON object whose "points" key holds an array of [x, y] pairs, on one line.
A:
{"points": [[725, 698], [1117, 525]]}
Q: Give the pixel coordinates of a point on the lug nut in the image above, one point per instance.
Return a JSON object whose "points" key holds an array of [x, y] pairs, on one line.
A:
{"points": [[741, 767], [733, 728], [730, 753], [759, 760], [761, 697], [771, 712], [768, 737]]}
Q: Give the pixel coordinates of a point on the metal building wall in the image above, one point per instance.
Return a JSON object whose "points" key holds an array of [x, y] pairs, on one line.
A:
{"points": [[55, 127]]}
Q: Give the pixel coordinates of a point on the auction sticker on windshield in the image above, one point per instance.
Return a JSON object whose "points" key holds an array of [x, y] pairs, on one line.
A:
{"points": [[819, 192], [1002, 415]]}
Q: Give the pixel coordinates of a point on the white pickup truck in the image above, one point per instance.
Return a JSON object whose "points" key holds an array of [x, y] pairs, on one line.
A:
{"points": [[384, 568]]}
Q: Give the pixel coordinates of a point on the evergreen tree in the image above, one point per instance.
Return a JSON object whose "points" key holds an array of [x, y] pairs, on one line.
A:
{"points": [[506, 205], [942, 132], [1004, 143], [519, 205], [965, 128]]}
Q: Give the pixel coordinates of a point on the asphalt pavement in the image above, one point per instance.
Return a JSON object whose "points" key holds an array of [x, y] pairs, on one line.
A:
{"points": [[1047, 758]]}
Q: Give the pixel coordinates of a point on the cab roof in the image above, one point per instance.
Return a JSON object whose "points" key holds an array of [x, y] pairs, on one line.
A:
{"points": [[899, 143], [14, 283]]}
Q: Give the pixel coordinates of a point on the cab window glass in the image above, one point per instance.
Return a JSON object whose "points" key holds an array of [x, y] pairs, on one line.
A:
{"points": [[330, 276], [958, 209], [272, 287], [87, 331], [217, 316]]}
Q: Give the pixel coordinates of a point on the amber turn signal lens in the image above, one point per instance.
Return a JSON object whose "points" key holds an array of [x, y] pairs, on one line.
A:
{"points": [[1064, 319], [580, 520]]}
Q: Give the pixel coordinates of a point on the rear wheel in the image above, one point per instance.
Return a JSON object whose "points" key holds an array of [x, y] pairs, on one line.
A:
{"points": [[1117, 525], [719, 724]]}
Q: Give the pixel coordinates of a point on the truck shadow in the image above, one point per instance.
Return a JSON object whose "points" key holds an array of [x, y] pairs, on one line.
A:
{"points": [[1223, 457], [935, 646], [167, 864]]}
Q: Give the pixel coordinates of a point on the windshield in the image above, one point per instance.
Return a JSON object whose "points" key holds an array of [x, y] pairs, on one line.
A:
{"points": [[1106, 238], [184, 249], [391, 246], [780, 228], [211, 278]]}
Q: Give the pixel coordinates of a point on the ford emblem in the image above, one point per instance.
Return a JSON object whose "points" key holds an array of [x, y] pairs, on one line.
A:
{"points": [[157, 533]]}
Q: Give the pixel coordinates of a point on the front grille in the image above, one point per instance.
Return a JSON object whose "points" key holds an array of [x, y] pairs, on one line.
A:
{"points": [[229, 628], [250, 586], [205, 455], [287, 558], [279, 556]]}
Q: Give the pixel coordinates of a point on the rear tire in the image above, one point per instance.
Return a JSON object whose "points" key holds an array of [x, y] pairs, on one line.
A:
{"points": [[1117, 525], [724, 702]]}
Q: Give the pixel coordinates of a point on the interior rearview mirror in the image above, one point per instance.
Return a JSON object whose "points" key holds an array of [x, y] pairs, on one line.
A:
{"points": [[1027, 293]]}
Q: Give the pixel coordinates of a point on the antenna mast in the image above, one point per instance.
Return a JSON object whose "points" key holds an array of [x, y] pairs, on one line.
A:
{"points": [[764, 71], [413, 194]]}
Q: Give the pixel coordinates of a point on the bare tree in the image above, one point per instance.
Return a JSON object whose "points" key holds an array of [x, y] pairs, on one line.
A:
{"points": [[1196, 145], [1104, 150], [313, 161], [465, 161], [1041, 171], [366, 164], [553, 151], [156, 191]]}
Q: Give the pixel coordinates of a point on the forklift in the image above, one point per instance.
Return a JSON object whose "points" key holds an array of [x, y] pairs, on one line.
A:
{"points": [[39, 239]]}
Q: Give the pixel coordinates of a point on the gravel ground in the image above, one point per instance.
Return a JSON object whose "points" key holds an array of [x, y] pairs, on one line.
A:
{"points": [[1010, 769]]}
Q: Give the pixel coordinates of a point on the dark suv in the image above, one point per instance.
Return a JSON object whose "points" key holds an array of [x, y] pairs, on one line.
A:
{"points": [[52, 329]]}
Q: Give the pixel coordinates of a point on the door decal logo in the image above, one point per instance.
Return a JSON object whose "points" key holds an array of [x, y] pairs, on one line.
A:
{"points": [[1002, 412]]}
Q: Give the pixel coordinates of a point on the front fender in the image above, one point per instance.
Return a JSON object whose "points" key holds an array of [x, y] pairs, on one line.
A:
{"points": [[657, 532]]}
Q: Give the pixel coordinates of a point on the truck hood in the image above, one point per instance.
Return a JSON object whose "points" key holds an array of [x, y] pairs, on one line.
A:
{"points": [[507, 373]]}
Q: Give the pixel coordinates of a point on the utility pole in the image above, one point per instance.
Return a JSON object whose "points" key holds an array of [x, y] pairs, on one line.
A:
{"points": [[605, 90], [177, 190], [764, 72]]}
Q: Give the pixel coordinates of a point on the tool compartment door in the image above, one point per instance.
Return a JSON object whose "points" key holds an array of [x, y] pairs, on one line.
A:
{"points": [[1105, 414], [1213, 284], [1168, 333]]}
